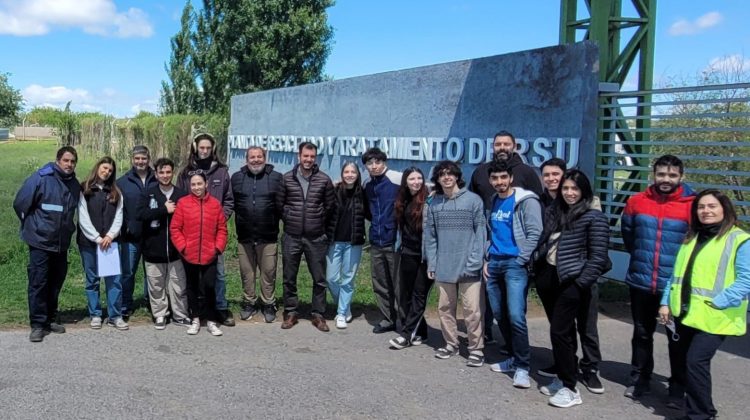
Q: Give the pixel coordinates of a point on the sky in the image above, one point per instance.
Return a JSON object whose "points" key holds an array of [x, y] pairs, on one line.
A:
{"points": [[109, 55]]}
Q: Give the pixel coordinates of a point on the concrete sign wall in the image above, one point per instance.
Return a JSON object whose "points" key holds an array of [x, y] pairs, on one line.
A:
{"points": [[546, 97]]}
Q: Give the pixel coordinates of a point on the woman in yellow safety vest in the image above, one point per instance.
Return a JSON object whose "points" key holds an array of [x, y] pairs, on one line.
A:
{"points": [[707, 294]]}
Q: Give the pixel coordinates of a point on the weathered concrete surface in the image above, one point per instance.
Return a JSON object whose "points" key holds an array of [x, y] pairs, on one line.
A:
{"points": [[258, 370]]}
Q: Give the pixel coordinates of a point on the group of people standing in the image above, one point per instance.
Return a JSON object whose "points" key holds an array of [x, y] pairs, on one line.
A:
{"points": [[482, 244]]}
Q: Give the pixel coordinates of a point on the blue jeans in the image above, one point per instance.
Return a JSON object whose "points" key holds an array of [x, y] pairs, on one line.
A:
{"points": [[342, 263], [112, 283], [507, 288], [220, 287], [130, 256]]}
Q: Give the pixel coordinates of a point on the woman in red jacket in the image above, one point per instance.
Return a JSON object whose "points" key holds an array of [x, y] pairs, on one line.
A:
{"points": [[199, 232]]}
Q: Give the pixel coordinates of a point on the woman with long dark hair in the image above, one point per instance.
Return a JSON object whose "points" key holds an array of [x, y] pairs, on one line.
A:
{"points": [[99, 223], [707, 295], [414, 283], [581, 257], [348, 236]]}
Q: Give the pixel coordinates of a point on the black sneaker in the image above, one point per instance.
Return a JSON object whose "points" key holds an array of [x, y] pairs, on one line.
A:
{"points": [[591, 381], [269, 313], [227, 318], [56, 328], [37, 335], [247, 311], [185, 322], [548, 372]]}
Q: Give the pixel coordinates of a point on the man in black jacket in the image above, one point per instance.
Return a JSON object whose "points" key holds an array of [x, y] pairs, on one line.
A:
{"points": [[165, 274], [255, 187], [133, 185], [307, 199]]}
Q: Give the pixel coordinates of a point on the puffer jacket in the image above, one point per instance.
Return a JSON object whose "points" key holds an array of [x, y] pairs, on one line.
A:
{"points": [[358, 214], [583, 251], [199, 229], [132, 189], [310, 216], [380, 196], [218, 184], [46, 205], [255, 205], [653, 227]]}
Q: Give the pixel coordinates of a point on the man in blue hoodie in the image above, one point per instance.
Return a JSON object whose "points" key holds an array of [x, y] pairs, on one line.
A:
{"points": [[45, 205], [381, 190]]}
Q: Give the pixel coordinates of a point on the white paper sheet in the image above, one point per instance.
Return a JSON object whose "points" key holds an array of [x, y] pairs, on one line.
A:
{"points": [[108, 262]]}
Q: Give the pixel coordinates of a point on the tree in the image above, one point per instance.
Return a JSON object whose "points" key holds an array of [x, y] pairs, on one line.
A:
{"points": [[180, 95], [11, 102], [241, 46]]}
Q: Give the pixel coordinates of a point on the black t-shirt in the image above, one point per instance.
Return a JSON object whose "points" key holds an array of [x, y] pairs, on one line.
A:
{"points": [[344, 224]]}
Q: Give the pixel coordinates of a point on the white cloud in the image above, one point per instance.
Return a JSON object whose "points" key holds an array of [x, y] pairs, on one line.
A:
{"points": [[53, 95], [735, 63], [98, 17], [686, 27]]}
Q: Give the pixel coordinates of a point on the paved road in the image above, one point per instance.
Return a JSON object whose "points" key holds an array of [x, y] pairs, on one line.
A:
{"points": [[257, 370]]}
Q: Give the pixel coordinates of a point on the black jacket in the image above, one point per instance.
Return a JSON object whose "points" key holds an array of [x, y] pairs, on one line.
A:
{"points": [[358, 214], [152, 213], [582, 252], [132, 190], [306, 217], [524, 176], [255, 205]]}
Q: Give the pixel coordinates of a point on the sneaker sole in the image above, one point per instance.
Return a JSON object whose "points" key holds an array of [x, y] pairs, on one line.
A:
{"points": [[96, 327], [341, 327], [597, 391], [497, 369], [119, 328], [192, 332], [444, 356], [398, 346], [568, 405], [474, 364], [159, 327], [521, 386], [217, 334]]}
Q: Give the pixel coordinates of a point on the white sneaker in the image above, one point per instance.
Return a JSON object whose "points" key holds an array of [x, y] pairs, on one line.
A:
{"points": [[565, 398], [96, 323], [340, 322], [194, 327], [349, 316], [160, 323], [118, 323], [552, 388], [213, 329]]}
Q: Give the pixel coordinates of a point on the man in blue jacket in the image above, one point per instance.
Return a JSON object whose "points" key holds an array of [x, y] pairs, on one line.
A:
{"points": [[381, 190], [133, 185], [45, 205]]}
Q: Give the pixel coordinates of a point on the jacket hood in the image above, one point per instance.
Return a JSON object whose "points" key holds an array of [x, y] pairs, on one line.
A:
{"points": [[522, 194], [682, 193]]}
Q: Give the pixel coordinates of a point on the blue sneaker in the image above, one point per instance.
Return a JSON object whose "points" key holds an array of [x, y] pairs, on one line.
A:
{"points": [[552, 388], [506, 366]]}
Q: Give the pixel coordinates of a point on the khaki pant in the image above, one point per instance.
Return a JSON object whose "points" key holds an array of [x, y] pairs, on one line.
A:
{"points": [[472, 299], [254, 258], [167, 279]]}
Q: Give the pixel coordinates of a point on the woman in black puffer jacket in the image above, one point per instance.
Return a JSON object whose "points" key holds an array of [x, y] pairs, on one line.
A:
{"points": [[581, 257]]}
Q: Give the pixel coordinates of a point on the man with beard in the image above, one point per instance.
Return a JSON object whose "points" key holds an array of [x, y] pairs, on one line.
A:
{"points": [[255, 187], [203, 157], [524, 176], [654, 224], [133, 185]]}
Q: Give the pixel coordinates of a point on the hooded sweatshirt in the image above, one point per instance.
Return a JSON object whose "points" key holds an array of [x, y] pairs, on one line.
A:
{"points": [[524, 176]]}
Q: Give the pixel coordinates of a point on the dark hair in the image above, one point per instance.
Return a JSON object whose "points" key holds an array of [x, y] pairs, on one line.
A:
{"points": [[307, 145], [404, 197], [568, 214], [191, 160], [162, 162], [446, 167], [66, 149], [555, 161], [262, 150], [730, 215], [201, 173], [374, 153], [140, 150], [669, 160], [90, 181], [503, 133], [499, 166]]}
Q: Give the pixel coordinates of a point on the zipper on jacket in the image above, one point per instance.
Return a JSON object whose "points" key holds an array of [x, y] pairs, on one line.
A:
{"points": [[657, 252], [200, 236]]}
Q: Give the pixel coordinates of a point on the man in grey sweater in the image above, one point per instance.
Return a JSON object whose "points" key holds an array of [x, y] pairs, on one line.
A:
{"points": [[454, 239]]}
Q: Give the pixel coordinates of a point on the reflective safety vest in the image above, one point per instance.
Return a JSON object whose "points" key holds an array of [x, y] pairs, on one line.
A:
{"points": [[713, 271]]}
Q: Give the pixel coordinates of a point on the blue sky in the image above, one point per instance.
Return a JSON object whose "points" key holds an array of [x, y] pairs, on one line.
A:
{"points": [[109, 55]]}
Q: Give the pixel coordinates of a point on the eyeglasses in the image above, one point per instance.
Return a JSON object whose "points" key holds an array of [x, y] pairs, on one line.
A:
{"points": [[196, 172]]}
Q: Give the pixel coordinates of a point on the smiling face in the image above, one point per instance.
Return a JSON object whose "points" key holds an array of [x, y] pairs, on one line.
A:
{"points": [[197, 186], [570, 192], [447, 181], [164, 175], [307, 158], [104, 171], [349, 175], [414, 181], [501, 181], [140, 161], [551, 176], [667, 179], [710, 210], [256, 160], [67, 163], [504, 147]]}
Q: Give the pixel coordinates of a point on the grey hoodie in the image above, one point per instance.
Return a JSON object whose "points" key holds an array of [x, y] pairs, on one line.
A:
{"points": [[454, 237], [527, 222]]}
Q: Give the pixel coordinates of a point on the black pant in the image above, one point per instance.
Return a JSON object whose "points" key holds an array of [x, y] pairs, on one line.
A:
{"points": [[693, 356], [315, 251], [47, 271], [415, 287], [548, 288], [570, 302], [644, 307], [384, 263], [201, 280]]}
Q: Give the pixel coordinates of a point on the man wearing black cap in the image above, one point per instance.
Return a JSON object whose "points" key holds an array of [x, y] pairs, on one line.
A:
{"points": [[203, 156], [133, 185]]}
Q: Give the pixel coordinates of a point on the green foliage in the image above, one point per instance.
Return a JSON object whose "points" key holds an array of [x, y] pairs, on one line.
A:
{"points": [[240, 46], [11, 103]]}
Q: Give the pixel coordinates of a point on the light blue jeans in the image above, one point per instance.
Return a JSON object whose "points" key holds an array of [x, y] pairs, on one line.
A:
{"points": [[342, 263], [112, 283]]}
